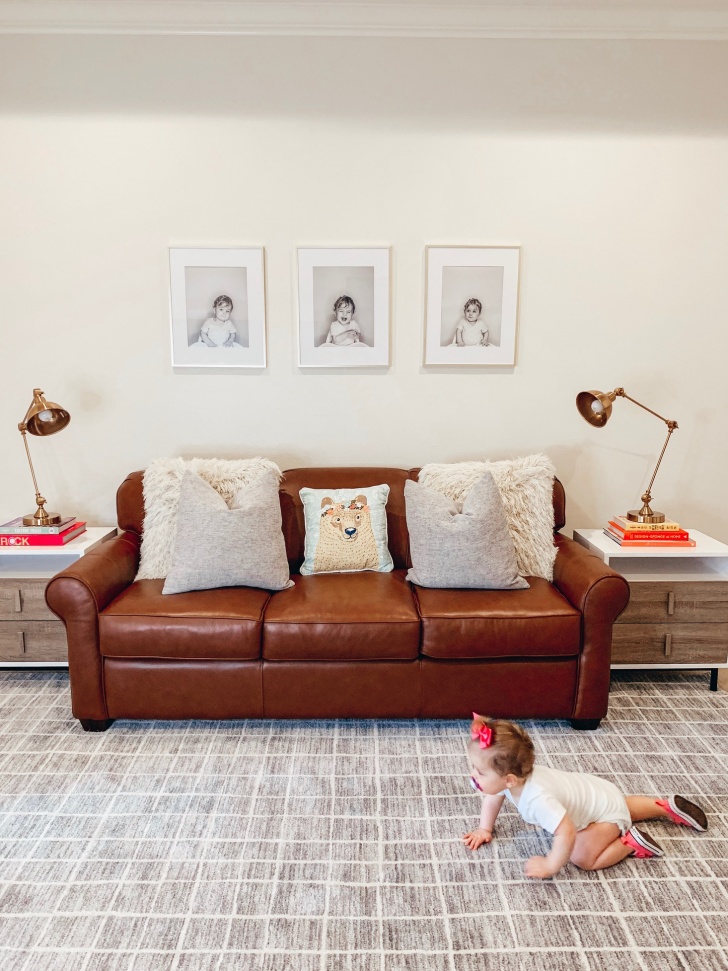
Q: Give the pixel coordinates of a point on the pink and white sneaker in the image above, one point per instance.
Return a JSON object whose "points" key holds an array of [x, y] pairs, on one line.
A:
{"points": [[643, 845], [684, 813]]}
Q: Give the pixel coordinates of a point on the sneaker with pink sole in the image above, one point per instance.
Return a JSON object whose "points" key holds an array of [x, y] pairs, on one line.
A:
{"points": [[644, 846], [684, 813]]}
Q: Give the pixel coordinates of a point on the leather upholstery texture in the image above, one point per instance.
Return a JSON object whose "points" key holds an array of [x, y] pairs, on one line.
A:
{"points": [[225, 623], [538, 622], [343, 616], [153, 688], [535, 689], [352, 645], [342, 689]]}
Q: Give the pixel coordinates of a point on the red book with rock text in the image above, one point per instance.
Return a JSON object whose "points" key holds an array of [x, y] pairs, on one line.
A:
{"points": [[20, 540]]}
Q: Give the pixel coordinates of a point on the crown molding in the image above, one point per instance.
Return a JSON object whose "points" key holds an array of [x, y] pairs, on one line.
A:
{"points": [[368, 18]]}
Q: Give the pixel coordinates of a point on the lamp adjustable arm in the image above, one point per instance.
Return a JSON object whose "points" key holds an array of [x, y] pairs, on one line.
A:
{"points": [[645, 511], [620, 392], [23, 429]]}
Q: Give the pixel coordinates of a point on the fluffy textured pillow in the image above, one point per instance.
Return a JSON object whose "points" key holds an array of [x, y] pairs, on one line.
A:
{"points": [[220, 546], [526, 490], [162, 480], [464, 545], [346, 530]]}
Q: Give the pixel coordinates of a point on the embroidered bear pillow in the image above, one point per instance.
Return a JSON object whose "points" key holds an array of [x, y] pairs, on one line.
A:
{"points": [[346, 530]]}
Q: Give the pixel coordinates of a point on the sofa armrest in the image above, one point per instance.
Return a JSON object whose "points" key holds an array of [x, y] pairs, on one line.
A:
{"points": [[600, 594], [77, 595]]}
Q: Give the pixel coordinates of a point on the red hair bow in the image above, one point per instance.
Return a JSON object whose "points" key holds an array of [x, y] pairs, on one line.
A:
{"points": [[484, 734]]}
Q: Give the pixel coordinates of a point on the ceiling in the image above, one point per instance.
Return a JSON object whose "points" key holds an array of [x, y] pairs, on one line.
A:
{"points": [[610, 19]]}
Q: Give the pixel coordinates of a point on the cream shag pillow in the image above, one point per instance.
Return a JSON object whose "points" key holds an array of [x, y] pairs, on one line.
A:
{"points": [[162, 482], [526, 489]]}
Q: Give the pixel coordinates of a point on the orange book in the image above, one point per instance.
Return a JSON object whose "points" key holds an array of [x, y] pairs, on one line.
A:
{"points": [[643, 534], [667, 525], [655, 543]]}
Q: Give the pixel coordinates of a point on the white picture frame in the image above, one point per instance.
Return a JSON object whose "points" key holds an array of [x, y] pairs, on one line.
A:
{"points": [[471, 305], [217, 307], [339, 287]]}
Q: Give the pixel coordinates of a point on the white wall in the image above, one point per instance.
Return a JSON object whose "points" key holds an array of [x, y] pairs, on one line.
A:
{"points": [[605, 161]]}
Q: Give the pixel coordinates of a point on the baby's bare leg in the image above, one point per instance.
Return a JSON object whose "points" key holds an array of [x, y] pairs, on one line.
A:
{"points": [[645, 807], [599, 846]]}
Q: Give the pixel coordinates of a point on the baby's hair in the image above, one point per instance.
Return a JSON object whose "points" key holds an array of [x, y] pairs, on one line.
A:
{"points": [[473, 302], [344, 301], [219, 301], [511, 749]]}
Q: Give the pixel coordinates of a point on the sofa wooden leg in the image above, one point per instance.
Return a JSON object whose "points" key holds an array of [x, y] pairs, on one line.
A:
{"points": [[585, 724], [92, 725]]}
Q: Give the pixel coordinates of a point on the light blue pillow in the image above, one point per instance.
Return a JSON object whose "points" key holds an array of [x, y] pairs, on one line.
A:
{"points": [[346, 530]]}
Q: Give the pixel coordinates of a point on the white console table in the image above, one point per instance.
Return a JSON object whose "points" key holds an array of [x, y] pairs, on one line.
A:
{"points": [[677, 616], [31, 636]]}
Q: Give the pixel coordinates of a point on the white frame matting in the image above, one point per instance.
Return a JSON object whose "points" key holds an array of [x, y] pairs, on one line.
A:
{"points": [[497, 295], [310, 322], [217, 264]]}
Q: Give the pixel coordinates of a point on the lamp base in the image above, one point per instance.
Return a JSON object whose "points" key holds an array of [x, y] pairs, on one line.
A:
{"points": [[42, 518], [637, 516]]}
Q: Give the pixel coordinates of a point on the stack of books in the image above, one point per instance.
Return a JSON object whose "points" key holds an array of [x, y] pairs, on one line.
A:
{"points": [[15, 534], [667, 533]]}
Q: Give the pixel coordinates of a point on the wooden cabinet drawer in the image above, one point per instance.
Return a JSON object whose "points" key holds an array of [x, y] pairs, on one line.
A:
{"points": [[670, 644], [24, 600], [34, 640], [686, 602]]}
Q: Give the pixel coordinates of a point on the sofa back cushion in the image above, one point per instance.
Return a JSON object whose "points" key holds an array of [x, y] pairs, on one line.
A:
{"points": [[294, 529], [130, 505]]}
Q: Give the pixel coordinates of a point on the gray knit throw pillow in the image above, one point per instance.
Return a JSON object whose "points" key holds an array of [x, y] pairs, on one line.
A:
{"points": [[220, 546], [464, 545]]}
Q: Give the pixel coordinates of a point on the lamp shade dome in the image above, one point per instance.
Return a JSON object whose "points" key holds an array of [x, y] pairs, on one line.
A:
{"points": [[595, 407], [45, 417]]}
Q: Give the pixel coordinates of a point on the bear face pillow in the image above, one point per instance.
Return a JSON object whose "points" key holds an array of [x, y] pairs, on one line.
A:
{"points": [[346, 530]]}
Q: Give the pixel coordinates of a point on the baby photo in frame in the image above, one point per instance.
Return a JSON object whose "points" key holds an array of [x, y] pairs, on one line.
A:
{"points": [[471, 305], [343, 307], [217, 303]]}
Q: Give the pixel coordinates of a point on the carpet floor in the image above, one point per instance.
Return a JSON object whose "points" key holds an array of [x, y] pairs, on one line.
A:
{"points": [[335, 845]]}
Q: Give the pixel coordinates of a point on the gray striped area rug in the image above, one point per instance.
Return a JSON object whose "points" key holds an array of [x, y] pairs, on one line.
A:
{"points": [[336, 845]]}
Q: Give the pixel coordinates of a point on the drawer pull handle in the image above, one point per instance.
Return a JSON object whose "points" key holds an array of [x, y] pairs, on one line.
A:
{"points": [[18, 601], [670, 603], [21, 641], [668, 645]]}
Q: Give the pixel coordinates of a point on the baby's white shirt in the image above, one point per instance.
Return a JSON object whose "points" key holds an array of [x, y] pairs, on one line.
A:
{"points": [[472, 334], [550, 794], [338, 328], [218, 332]]}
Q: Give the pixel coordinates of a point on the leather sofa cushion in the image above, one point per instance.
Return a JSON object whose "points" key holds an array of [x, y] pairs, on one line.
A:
{"points": [[538, 622], [343, 616], [205, 624]]}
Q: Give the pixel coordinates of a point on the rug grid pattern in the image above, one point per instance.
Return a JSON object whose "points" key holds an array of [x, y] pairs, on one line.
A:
{"points": [[335, 845]]}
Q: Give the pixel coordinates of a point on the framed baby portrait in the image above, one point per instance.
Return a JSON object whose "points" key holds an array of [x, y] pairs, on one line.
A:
{"points": [[471, 305], [217, 303], [343, 307]]}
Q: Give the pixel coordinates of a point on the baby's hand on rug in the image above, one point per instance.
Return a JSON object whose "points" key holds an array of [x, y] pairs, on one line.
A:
{"points": [[476, 838], [539, 868]]}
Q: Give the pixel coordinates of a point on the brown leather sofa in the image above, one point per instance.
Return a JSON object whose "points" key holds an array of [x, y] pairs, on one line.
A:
{"points": [[355, 645]]}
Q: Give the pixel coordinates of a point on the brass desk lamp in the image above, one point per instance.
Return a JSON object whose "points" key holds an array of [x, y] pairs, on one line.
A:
{"points": [[42, 418], [596, 407]]}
